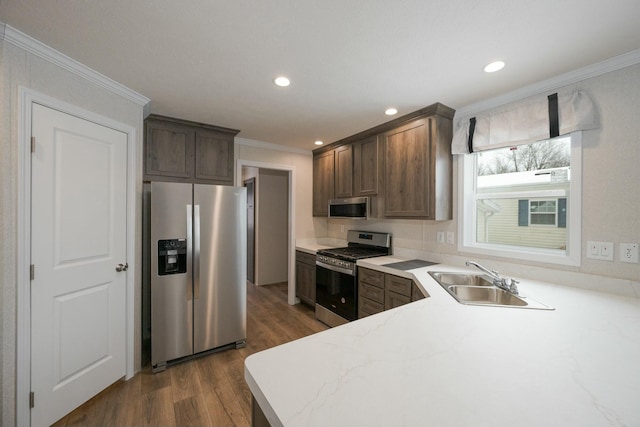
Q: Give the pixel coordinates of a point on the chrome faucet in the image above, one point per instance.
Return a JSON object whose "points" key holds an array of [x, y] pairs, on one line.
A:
{"points": [[509, 285]]}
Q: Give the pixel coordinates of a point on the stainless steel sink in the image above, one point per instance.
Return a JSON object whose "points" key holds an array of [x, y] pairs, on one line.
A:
{"points": [[485, 295], [478, 289], [461, 279]]}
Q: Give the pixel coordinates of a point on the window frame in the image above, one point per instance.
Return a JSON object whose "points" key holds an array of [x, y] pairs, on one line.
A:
{"points": [[468, 197]]}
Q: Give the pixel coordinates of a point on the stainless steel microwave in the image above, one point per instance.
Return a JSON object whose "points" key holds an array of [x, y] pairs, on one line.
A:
{"points": [[353, 208]]}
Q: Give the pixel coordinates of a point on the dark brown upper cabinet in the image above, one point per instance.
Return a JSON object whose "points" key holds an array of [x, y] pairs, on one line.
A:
{"points": [[367, 165], [343, 171], [323, 182], [405, 163], [418, 169], [183, 151]]}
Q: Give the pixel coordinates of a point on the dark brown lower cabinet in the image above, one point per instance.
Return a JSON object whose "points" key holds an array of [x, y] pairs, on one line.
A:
{"points": [[378, 291], [306, 277], [258, 419]]}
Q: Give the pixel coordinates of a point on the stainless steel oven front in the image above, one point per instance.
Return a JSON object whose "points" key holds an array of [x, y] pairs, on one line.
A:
{"points": [[336, 291]]}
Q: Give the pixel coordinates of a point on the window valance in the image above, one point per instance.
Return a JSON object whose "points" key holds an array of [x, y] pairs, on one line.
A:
{"points": [[533, 119]]}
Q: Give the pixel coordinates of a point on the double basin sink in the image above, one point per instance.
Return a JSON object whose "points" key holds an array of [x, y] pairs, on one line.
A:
{"points": [[478, 289]]}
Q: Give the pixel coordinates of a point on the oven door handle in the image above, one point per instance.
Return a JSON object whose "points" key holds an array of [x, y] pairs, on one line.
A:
{"points": [[348, 271]]}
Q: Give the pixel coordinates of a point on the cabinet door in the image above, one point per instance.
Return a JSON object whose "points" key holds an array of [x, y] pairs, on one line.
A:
{"points": [[214, 158], [306, 282], [408, 170], [393, 300], [366, 167], [169, 152], [344, 171], [323, 182]]}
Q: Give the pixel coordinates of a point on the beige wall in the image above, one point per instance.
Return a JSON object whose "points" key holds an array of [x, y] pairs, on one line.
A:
{"points": [[610, 198], [20, 68]]}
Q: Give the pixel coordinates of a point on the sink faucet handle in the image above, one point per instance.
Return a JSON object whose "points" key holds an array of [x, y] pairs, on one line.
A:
{"points": [[512, 285]]}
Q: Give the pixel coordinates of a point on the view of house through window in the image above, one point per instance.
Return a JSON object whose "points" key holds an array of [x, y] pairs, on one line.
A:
{"points": [[521, 195]]}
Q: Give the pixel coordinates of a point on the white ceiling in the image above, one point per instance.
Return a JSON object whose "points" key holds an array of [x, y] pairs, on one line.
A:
{"points": [[213, 61]]}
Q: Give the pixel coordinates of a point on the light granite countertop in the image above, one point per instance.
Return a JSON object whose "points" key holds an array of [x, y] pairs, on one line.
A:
{"points": [[440, 363]]}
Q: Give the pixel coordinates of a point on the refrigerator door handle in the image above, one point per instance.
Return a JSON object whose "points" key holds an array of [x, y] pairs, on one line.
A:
{"points": [[189, 252], [196, 252]]}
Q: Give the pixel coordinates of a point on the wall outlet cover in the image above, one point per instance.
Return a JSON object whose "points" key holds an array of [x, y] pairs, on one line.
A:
{"points": [[451, 237], [629, 252]]}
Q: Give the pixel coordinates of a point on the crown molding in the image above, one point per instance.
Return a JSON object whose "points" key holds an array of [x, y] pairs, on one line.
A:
{"points": [[35, 47], [271, 146], [554, 83]]}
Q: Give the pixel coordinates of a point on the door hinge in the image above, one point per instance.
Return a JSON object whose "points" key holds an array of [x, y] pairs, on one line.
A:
{"points": [[33, 144], [32, 272], [32, 400]]}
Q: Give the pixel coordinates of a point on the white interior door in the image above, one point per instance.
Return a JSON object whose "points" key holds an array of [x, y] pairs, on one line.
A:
{"points": [[78, 229]]}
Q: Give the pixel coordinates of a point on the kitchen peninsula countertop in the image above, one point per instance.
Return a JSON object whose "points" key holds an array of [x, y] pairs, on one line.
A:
{"points": [[440, 363]]}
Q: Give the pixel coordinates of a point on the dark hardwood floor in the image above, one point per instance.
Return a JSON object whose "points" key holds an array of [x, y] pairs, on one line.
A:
{"points": [[208, 391]]}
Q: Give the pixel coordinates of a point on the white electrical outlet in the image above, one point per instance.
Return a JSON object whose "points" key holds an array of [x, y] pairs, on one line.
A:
{"points": [[451, 237], [440, 236], [629, 252]]}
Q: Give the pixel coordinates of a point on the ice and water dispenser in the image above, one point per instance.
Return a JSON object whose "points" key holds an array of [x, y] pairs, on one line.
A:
{"points": [[172, 256]]}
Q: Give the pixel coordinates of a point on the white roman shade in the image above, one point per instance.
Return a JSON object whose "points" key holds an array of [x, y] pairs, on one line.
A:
{"points": [[523, 122]]}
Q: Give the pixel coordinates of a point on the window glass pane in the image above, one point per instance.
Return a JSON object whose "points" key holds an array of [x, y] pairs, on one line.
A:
{"points": [[497, 223], [511, 184]]}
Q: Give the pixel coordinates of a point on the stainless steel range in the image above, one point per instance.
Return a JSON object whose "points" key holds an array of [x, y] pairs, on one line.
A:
{"points": [[337, 275]]}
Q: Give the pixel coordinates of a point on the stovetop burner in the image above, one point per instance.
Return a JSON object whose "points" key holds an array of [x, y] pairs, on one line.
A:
{"points": [[352, 253], [361, 244]]}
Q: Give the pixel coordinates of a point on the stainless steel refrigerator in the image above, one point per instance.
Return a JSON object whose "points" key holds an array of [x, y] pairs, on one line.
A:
{"points": [[198, 269]]}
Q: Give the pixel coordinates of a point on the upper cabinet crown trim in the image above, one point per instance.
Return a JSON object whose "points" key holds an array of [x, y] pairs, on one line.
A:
{"points": [[165, 119]]}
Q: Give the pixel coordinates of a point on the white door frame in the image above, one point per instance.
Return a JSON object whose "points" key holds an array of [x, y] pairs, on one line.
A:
{"points": [[291, 259], [26, 97]]}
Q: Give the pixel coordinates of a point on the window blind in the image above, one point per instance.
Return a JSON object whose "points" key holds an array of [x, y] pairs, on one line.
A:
{"points": [[525, 122]]}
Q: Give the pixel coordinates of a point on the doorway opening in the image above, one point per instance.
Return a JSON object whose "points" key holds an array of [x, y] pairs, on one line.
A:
{"points": [[271, 250]]}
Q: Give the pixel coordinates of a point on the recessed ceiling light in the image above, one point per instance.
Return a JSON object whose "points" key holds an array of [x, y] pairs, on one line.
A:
{"points": [[318, 142], [282, 81], [391, 111], [494, 66]]}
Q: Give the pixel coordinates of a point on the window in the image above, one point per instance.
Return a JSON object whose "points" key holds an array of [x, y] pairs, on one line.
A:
{"points": [[523, 202], [542, 212]]}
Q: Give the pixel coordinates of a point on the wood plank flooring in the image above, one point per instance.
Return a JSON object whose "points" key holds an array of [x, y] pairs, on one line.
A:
{"points": [[209, 391]]}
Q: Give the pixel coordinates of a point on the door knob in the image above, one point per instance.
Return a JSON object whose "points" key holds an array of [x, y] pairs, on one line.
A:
{"points": [[122, 267]]}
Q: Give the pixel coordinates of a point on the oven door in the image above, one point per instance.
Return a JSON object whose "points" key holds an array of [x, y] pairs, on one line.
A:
{"points": [[336, 290]]}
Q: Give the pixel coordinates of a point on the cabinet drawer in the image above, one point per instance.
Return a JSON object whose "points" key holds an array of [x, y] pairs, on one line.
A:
{"points": [[305, 257], [375, 278], [398, 285], [371, 292], [370, 306]]}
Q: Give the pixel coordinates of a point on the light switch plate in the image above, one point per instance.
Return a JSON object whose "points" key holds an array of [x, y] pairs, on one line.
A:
{"points": [[600, 250], [440, 236], [606, 251]]}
